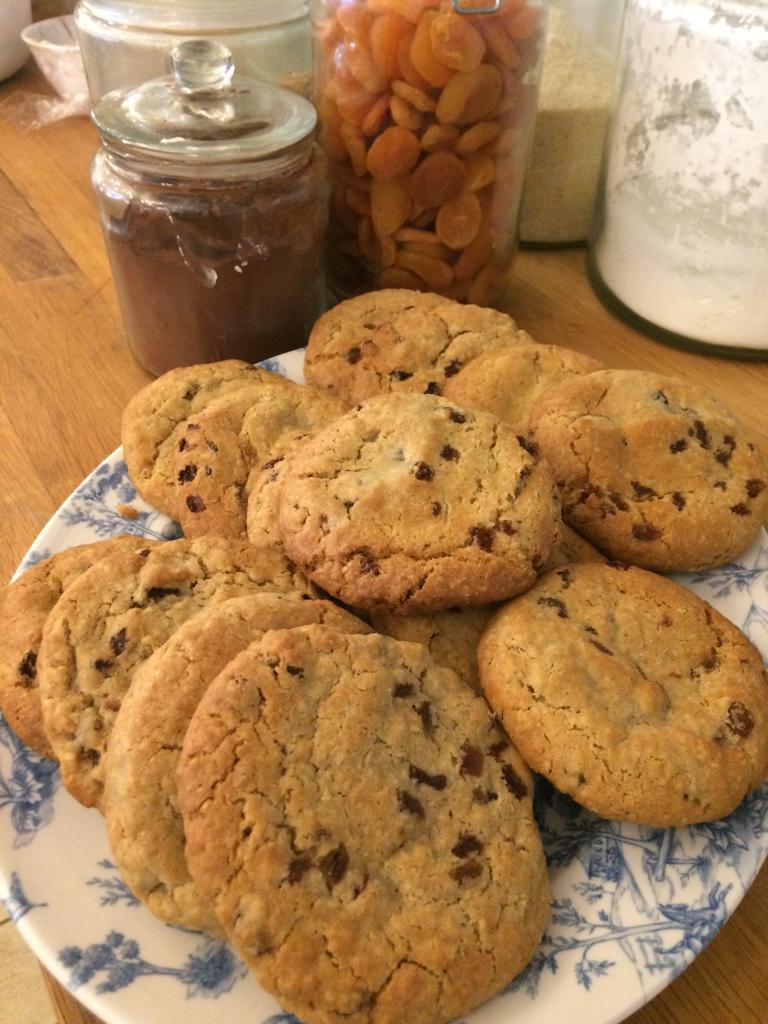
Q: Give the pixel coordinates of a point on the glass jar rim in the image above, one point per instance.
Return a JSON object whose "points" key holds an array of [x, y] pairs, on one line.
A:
{"points": [[197, 14]]}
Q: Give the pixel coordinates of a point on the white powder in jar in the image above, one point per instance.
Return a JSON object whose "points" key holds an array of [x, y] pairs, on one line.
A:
{"points": [[574, 101], [683, 237]]}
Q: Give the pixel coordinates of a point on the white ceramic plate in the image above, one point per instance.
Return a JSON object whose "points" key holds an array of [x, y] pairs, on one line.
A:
{"points": [[632, 906]]}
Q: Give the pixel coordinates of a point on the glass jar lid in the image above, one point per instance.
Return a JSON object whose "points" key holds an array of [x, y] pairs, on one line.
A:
{"points": [[203, 113], [197, 15]]}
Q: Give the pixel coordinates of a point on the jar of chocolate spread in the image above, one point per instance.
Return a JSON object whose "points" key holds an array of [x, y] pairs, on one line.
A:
{"points": [[211, 191]]}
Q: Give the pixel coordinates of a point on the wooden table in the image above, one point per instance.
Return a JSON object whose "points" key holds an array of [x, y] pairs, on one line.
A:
{"points": [[65, 375]]}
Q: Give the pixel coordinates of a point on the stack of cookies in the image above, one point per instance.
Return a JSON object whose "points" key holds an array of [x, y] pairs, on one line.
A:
{"points": [[310, 725]]}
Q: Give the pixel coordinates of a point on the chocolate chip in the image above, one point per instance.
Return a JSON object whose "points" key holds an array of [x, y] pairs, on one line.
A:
{"points": [[482, 536], [497, 748], [678, 446], [590, 629], [437, 508], [400, 375], [618, 501], [354, 355], [646, 531], [424, 711], [723, 456], [183, 444], [348, 505], [423, 472], [156, 593], [102, 664], [554, 602], [213, 447], [701, 433], [467, 844], [484, 796], [755, 487], [368, 564], [472, 760], [456, 416], [298, 867], [711, 661], [193, 426], [614, 564], [449, 453], [471, 869], [188, 395], [565, 576], [740, 510], [719, 484], [513, 782], [665, 620], [273, 462], [407, 802], [403, 690], [453, 368], [195, 503], [740, 720], [425, 779], [28, 665], [112, 705], [117, 642], [601, 647], [525, 472], [643, 493], [527, 445], [92, 756], [333, 865], [294, 670], [322, 522], [659, 396], [506, 526], [433, 388], [677, 500]]}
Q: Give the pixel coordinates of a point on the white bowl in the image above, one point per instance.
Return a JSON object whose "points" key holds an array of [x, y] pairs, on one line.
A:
{"points": [[14, 16], [53, 43]]}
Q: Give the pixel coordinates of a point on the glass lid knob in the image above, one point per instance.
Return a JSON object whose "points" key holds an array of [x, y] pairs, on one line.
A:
{"points": [[202, 66]]}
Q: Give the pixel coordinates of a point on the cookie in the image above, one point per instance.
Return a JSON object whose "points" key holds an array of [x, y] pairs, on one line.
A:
{"points": [[156, 415], [400, 340], [262, 516], [452, 636], [111, 619], [363, 828], [24, 607], [146, 832], [223, 449], [411, 504], [630, 694], [653, 470], [506, 381]]}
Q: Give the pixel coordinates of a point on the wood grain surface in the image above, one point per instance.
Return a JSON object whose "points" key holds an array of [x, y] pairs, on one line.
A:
{"points": [[65, 375]]}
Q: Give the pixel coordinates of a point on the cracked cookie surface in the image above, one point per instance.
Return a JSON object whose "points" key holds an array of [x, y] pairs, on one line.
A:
{"points": [[226, 446], [506, 382], [630, 694], [139, 804], [400, 340], [364, 829], [24, 607], [154, 418], [653, 470], [111, 619], [409, 503]]}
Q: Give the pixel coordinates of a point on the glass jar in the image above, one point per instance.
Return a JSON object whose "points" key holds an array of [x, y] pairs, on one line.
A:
{"points": [[681, 240], [211, 193], [426, 111], [575, 101], [127, 42]]}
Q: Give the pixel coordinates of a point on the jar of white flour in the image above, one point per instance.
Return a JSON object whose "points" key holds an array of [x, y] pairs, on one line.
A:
{"points": [[681, 235]]}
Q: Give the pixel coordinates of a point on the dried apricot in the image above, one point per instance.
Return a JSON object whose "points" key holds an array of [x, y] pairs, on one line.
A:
{"points": [[398, 277], [500, 45], [352, 100], [485, 286], [390, 205], [366, 239], [358, 201], [385, 36], [340, 208], [374, 118], [387, 250], [481, 171], [416, 97], [355, 143], [422, 217], [455, 42], [423, 59], [393, 153], [410, 9], [469, 97], [436, 273], [358, 60], [459, 219], [414, 235], [354, 19], [438, 177], [407, 71], [435, 252], [477, 136], [475, 255], [522, 23], [404, 114], [439, 136]]}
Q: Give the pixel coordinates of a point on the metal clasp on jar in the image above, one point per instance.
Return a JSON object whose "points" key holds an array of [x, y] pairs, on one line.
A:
{"points": [[492, 8]]}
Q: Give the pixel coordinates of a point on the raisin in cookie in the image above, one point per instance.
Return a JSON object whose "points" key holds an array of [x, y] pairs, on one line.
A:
{"points": [[411, 504], [653, 470], [222, 450], [506, 382], [24, 607], [630, 694], [363, 828], [139, 803], [155, 417], [400, 340], [111, 619]]}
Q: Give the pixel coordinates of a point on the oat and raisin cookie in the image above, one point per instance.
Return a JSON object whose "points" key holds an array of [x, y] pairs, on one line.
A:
{"points": [[363, 828], [111, 619], [630, 694], [507, 381], [24, 607], [409, 503], [222, 451], [400, 340], [155, 417], [452, 636], [139, 804], [653, 470]]}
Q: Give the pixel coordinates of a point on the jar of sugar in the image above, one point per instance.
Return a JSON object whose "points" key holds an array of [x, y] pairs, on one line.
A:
{"points": [[681, 240]]}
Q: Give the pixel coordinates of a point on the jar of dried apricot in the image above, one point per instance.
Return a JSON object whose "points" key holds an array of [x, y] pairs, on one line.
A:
{"points": [[426, 111]]}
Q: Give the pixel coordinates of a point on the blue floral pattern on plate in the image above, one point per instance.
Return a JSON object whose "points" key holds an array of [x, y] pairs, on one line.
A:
{"points": [[632, 906]]}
